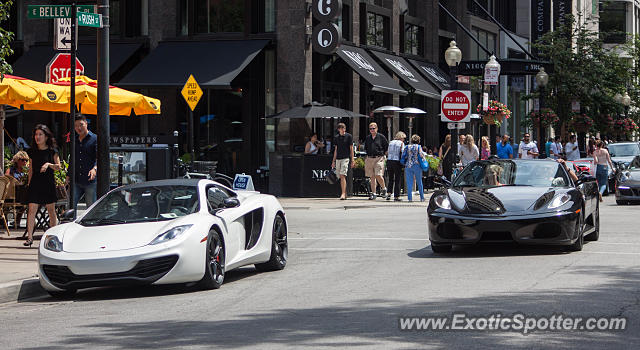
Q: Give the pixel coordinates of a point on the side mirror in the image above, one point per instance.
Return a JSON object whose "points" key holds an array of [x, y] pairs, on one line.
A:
{"points": [[231, 202], [585, 178], [67, 216]]}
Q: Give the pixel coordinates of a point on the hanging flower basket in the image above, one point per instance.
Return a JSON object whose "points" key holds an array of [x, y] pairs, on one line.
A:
{"points": [[581, 123], [545, 117], [495, 113]]}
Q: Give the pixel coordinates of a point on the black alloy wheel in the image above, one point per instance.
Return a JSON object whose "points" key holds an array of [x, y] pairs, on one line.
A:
{"points": [[577, 245], [279, 247], [214, 262], [595, 235]]}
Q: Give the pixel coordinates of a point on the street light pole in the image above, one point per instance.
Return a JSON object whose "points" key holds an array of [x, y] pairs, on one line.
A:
{"points": [[453, 56], [542, 79], [104, 132]]}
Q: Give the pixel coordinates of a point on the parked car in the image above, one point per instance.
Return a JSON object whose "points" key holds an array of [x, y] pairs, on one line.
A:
{"points": [[522, 201], [628, 189]]}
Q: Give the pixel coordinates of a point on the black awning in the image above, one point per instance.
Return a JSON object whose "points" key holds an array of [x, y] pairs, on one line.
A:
{"points": [[33, 63], [360, 61], [432, 72], [214, 64], [406, 72]]}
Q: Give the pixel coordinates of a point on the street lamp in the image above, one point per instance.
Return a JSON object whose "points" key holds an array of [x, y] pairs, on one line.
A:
{"points": [[453, 56], [626, 102], [542, 79]]}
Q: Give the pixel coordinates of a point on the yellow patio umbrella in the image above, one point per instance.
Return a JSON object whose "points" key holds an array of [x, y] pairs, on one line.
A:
{"points": [[14, 92], [121, 102]]}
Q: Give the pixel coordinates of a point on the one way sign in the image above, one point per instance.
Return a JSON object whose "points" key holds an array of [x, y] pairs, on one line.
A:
{"points": [[62, 30]]}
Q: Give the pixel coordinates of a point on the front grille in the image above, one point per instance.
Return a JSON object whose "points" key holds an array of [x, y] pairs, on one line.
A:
{"points": [[625, 192], [148, 271], [496, 236], [547, 230]]}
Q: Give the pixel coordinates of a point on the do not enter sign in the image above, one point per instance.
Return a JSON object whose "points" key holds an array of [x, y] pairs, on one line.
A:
{"points": [[455, 106]]}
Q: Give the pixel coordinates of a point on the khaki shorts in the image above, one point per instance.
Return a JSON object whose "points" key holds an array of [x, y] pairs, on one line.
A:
{"points": [[342, 166], [374, 166]]}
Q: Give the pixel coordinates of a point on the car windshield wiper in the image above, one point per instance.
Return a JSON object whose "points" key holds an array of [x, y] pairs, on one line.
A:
{"points": [[103, 221]]}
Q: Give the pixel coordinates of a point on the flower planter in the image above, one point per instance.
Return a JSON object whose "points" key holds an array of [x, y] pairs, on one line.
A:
{"points": [[493, 119]]}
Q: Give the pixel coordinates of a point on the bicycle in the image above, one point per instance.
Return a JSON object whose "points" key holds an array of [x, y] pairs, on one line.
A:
{"points": [[203, 170]]}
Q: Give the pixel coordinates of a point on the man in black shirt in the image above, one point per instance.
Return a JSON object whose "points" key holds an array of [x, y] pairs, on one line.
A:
{"points": [[342, 153], [376, 147]]}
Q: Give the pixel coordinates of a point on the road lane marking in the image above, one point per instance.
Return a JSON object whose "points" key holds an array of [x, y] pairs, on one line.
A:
{"points": [[613, 253], [614, 243], [354, 249]]}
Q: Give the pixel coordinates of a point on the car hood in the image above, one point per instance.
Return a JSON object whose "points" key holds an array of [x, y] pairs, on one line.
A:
{"points": [[625, 160], [86, 239], [507, 200]]}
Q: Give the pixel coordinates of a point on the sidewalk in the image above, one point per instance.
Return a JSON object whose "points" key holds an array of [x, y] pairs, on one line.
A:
{"points": [[19, 264]]}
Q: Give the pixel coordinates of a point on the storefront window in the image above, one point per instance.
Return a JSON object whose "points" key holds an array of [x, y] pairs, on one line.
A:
{"points": [[485, 38], [219, 16], [377, 30], [413, 38], [613, 18]]}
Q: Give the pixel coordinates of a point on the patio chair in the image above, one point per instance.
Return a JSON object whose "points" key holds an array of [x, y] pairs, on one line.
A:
{"points": [[13, 202], [4, 190]]}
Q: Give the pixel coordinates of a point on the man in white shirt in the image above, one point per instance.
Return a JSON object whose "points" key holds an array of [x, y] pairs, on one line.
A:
{"points": [[527, 149], [571, 148], [461, 139]]}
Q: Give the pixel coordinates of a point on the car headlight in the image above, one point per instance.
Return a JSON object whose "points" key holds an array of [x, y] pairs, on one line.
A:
{"points": [[559, 201], [625, 176], [53, 244], [442, 201], [171, 234]]}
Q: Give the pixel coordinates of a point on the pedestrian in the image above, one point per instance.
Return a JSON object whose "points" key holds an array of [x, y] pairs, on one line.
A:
{"points": [[43, 160], [547, 147], [394, 168], [602, 159], [504, 149], [556, 148], [527, 148], [446, 158], [485, 148], [376, 147], [469, 152], [86, 158], [328, 144], [412, 169], [591, 147], [342, 154], [461, 139], [314, 145], [571, 148]]}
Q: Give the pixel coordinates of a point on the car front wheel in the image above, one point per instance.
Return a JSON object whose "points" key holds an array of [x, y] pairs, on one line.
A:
{"points": [[214, 262], [593, 236], [577, 245], [279, 247]]}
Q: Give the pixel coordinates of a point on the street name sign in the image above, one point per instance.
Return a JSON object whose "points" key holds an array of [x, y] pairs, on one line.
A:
{"points": [[60, 67], [55, 11], [455, 106], [192, 92], [62, 34], [86, 19]]}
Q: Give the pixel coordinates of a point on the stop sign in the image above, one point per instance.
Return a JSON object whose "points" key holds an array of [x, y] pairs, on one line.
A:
{"points": [[60, 67], [455, 106]]}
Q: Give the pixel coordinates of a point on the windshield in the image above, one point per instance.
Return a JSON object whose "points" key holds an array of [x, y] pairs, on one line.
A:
{"points": [[143, 204], [635, 164], [624, 150], [509, 173]]}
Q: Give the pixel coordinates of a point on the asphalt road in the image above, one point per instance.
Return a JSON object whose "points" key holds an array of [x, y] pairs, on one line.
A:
{"points": [[351, 275]]}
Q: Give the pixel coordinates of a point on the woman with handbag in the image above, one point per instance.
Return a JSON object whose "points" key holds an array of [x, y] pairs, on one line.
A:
{"points": [[413, 157], [445, 168], [43, 160]]}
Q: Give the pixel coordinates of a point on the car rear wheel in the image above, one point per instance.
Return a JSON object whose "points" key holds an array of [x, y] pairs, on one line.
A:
{"points": [[279, 247], [619, 202], [441, 248], [593, 236], [214, 262], [577, 245], [62, 294]]}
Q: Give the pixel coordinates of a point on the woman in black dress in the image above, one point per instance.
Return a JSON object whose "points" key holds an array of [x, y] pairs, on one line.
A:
{"points": [[44, 160]]}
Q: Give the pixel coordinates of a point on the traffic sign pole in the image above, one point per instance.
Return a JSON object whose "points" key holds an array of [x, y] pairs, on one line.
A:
{"points": [[104, 120], [72, 112]]}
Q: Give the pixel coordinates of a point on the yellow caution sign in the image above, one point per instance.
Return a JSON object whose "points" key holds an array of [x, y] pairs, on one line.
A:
{"points": [[192, 92]]}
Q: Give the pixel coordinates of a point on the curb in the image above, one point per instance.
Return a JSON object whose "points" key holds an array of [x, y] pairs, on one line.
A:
{"points": [[20, 290]]}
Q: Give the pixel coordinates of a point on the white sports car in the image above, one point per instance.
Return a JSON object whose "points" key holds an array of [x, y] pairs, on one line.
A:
{"points": [[161, 232]]}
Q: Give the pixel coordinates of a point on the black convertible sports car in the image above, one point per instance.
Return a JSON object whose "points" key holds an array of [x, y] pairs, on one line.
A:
{"points": [[526, 201]]}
